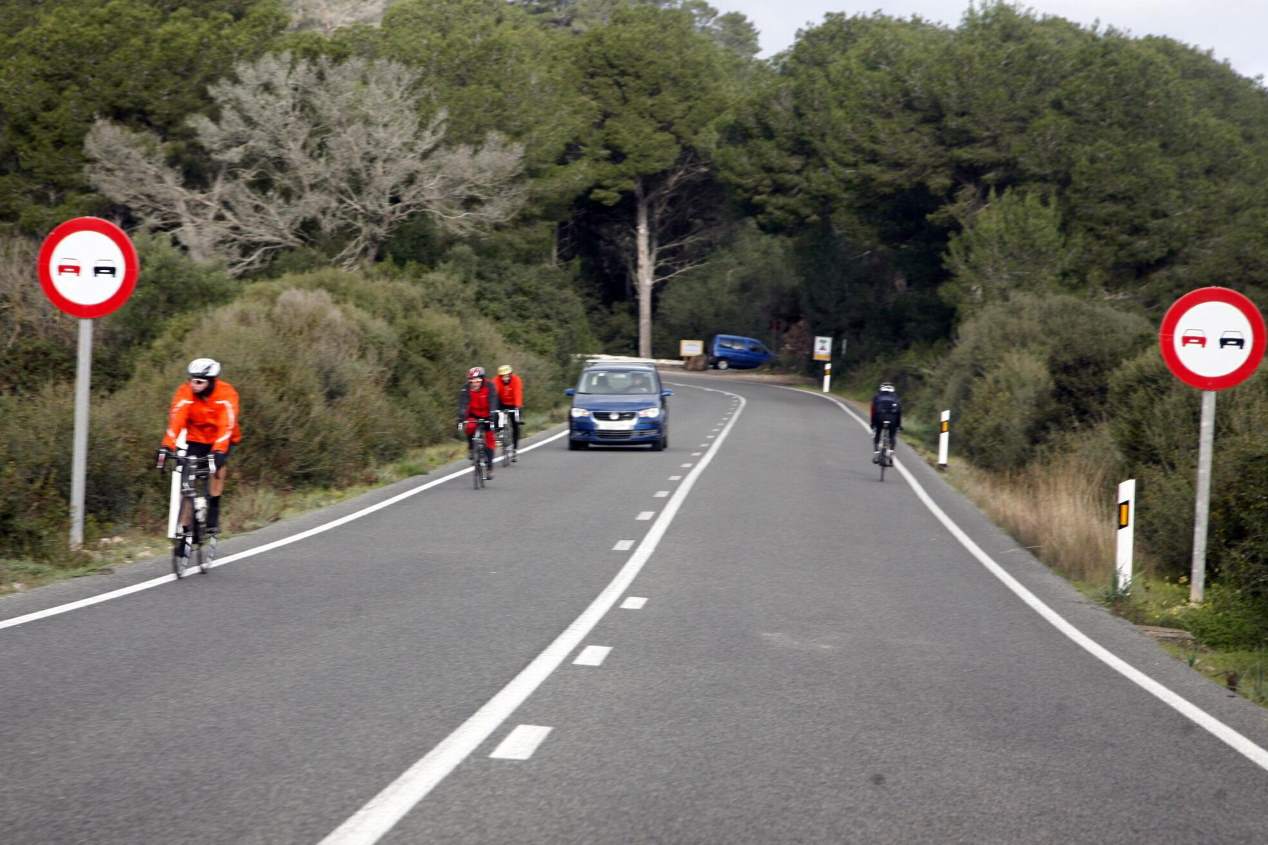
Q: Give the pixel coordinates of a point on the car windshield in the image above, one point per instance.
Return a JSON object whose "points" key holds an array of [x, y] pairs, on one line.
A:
{"points": [[616, 382]]}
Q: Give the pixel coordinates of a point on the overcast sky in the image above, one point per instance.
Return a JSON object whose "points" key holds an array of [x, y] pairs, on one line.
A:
{"points": [[1236, 30]]}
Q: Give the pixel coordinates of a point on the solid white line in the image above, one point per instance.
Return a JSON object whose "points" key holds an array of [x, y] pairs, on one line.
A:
{"points": [[384, 810], [1230, 737], [633, 603], [592, 655], [623, 545], [644, 516], [660, 494], [267, 547], [520, 743]]}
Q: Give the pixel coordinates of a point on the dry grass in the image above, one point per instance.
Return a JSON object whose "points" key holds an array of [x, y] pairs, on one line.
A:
{"points": [[1062, 511]]}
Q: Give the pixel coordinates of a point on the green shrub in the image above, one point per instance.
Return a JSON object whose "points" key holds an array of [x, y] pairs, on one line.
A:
{"points": [[1006, 411]]}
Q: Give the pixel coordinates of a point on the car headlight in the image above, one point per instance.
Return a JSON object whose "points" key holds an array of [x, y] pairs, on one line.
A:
{"points": [[650, 413], [580, 412]]}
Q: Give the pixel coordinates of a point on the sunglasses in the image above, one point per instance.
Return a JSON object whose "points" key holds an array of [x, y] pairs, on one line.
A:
{"points": [[198, 381]]}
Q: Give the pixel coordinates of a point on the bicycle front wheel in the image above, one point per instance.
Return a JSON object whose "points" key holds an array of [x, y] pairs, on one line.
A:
{"points": [[181, 560]]}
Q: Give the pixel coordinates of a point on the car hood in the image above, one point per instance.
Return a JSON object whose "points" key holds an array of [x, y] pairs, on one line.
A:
{"points": [[607, 402]]}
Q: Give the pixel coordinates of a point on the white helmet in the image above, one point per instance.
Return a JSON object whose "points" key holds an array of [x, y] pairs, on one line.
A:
{"points": [[204, 368], [886, 387]]}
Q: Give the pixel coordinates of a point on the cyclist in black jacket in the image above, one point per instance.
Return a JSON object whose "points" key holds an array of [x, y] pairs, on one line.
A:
{"points": [[886, 408]]}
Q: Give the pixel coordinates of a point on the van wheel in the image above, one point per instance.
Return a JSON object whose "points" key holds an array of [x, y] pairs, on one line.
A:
{"points": [[576, 445], [723, 364]]}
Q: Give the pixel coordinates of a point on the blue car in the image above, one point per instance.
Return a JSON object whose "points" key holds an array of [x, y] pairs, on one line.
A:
{"points": [[742, 353], [618, 405]]}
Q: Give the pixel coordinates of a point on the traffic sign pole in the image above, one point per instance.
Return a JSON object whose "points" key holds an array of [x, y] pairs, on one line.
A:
{"points": [[88, 268], [79, 458], [1202, 513]]}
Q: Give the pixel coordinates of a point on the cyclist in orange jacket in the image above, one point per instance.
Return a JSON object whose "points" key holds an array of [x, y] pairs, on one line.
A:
{"points": [[511, 395], [206, 407]]}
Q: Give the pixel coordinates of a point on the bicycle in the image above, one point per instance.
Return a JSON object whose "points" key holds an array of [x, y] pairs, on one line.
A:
{"points": [[506, 435], [477, 451], [193, 544], [885, 456]]}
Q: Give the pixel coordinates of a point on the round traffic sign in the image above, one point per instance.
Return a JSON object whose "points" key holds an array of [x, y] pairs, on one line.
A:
{"points": [[1212, 338], [88, 267]]}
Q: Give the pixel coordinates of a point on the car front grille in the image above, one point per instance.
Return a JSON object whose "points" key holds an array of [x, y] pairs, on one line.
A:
{"points": [[614, 415]]}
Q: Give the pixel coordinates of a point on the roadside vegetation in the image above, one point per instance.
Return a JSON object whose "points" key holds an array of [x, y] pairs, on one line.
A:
{"points": [[994, 216]]}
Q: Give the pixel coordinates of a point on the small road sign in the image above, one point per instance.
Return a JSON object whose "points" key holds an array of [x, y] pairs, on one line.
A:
{"points": [[823, 348], [1212, 338], [88, 267]]}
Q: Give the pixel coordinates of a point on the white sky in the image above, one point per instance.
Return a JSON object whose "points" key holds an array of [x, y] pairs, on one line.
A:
{"points": [[1236, 30]]}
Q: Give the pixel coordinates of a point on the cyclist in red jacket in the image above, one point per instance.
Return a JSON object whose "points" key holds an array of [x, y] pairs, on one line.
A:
{"points": [[479, 401], [511, 395]]}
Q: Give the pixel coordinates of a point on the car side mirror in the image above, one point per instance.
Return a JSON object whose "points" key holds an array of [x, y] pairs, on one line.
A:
{"points": [[570, 391], [666, 392]]}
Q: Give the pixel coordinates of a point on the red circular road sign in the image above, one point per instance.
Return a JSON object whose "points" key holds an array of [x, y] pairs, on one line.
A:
{"points": [[88, 267], [1212, 338]]}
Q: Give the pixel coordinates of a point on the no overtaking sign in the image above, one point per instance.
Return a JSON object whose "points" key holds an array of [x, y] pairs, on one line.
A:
{"points": [[88, 267]]}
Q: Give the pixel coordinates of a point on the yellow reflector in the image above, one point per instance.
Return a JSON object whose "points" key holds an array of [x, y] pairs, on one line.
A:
{"points": [[1124, 512], [946, 426]]}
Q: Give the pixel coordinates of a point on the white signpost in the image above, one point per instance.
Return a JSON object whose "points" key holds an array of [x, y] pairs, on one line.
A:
{"points": [[1126, 529], [87, 268], [1212, 339], [823, 352]]}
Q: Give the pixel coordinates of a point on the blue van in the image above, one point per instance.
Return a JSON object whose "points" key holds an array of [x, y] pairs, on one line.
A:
{"points": [[742, 353]]}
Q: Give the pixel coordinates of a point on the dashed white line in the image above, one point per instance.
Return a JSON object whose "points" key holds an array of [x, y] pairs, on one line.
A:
{"points": [[644, 516], [592, 655], [521, 742], [660, 494], [675, 478], [633, 603], [623, 545], [696, 454], [686, 466]]}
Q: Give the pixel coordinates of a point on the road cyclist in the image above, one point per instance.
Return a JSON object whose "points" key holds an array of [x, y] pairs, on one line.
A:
{"points": [[206, 408], [887, 413], [478, 401], [510, 389]]}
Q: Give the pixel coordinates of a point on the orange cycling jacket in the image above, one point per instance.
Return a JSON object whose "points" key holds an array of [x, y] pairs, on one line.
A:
{"points": [[211, 419], [511, 395]]}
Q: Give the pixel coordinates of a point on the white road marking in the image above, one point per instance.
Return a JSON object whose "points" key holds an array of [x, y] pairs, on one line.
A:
{"points": [[592, 655], [267, 547], [675, 478], [1230, 737], [520, 743], [709, 436], [685, 466], [633, 603], [644, 516], [381, 813], [660, 494], [623, 545], [695, 454]]}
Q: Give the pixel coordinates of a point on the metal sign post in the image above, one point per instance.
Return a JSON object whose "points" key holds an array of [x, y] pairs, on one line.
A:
{"points": [[1211, 339], [88, 268]]}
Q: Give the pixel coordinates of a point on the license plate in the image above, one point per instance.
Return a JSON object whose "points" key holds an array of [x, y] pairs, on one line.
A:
{"points": [[614, 425]]}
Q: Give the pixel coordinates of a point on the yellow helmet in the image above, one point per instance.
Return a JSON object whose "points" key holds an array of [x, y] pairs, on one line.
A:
{"points": [[504, 370]]}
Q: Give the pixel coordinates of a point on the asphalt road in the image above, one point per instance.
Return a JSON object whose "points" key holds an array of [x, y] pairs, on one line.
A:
{"points": [[817, 659]]}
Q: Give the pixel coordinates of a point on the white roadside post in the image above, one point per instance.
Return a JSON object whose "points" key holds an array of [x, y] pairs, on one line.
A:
{"points": [[174, 502], [823, 352], [88, 268], [1126, 528], [944, 438], [1211, 339]]}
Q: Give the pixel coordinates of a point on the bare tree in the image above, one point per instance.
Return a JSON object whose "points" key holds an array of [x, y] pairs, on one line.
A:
{"points": [[305, 150]]}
